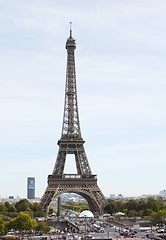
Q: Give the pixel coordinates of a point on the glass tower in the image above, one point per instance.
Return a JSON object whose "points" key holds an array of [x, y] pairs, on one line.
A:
{"points": [[31, 188]]}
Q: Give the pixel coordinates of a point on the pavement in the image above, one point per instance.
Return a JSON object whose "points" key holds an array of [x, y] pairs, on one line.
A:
{"points": [[109, 233]]}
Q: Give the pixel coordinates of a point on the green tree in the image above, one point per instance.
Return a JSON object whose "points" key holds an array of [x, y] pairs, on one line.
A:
{"points": [[3, 208], [12, 209], [2, 226], [22, 222], [120, 206], [41, 227], [125, 211], [159, 217], [153, 204], [132, 213], [111, 207], [38, 210], [148, 212], [133, 205], [162, 204], [11, 215], [23, 205], [143, 205], [51, 210], [7, 204], [140, 213], [76, 206]]}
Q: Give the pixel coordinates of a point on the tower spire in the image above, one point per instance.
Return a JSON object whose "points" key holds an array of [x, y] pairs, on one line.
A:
{"points": [[71, 126], [70, 29]]}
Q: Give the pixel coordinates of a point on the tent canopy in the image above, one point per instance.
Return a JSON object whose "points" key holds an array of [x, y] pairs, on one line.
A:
{"points": [[119, 214], [86, 214]]}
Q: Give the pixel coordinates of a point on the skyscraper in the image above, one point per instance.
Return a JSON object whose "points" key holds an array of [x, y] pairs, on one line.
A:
{"points": [[31, 188]]}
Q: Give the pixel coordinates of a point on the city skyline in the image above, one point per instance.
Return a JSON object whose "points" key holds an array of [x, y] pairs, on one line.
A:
{"points": [[120, 74]]}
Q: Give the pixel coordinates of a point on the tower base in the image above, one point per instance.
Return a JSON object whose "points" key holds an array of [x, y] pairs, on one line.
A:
{"points": [[86, 186]]}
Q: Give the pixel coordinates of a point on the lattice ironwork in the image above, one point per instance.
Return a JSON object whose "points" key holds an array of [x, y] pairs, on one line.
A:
{"points": [[84, 182], [86, 187], [71, 126]]}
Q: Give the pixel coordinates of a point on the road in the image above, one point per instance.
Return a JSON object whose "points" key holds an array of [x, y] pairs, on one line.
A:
{"points": [[108, 233]]}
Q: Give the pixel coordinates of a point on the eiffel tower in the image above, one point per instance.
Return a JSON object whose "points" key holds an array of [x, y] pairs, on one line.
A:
{"points": [[84, 182]]}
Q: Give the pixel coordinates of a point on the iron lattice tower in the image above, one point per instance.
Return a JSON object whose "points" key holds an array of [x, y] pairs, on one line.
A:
{"points": [[84, 182]]}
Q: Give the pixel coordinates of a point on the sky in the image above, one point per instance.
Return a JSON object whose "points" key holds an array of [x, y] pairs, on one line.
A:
{"points": [[121, 87]]}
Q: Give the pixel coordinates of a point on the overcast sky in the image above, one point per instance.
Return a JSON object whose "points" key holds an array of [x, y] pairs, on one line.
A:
{"points": [[121, 82]]}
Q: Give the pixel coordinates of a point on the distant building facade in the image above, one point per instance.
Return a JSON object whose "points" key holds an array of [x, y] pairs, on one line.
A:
{"points": [[162, 193], [11, 197], [112, 196], [120, 196], [31, 188]]}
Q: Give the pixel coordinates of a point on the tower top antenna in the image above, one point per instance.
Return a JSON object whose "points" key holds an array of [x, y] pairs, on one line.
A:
{"points": [[70, 29]]}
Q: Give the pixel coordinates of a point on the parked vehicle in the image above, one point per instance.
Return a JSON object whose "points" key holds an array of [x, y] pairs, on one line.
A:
{"points": [[161, 230]]}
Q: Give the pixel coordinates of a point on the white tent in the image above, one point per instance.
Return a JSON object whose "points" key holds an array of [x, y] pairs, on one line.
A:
{"points": [[119, 214], [86, 214]]}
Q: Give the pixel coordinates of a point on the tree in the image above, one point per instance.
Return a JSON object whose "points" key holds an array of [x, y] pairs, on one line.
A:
{"points": [[2, 226], [132, 213], [120, 206], [79, 207], [51, 210], [143, 205], [7, 204], [148, 212], [41, 227], [125, 211], [23, 205], [159, 217], [153, 204], [133, 205], [38, 210], [3, 208], [22, 222], [162, 204], [111, 207], [12, 209], [140, 213]]}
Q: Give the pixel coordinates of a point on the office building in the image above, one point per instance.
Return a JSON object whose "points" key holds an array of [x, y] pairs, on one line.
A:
{"points": [[31, 188]]}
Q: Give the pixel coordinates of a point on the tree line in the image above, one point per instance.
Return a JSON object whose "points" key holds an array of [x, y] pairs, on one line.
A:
{"points": [[152, 208], [76, 206], [9, 211], [23, 223], [19, 216]]}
